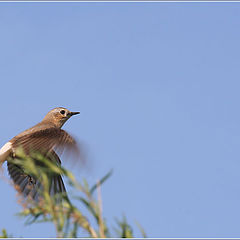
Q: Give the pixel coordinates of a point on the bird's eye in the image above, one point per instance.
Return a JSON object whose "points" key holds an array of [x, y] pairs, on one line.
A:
{"points": [[62, 112]]}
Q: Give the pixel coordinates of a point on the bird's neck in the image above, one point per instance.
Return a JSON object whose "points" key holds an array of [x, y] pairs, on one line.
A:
{"points": [[52, 123]]}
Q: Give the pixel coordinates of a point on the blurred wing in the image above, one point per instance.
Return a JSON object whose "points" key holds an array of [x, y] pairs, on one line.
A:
{"points": [[29, 186], [45, 140]]}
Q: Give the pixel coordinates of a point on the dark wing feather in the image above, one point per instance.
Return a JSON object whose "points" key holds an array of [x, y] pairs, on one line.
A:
{"points": [[29, 186], [22, 182]]}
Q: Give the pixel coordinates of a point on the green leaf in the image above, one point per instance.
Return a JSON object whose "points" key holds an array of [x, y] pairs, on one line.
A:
{"points": [[144, 235], [4, 234], [101, 181], [89, 207]]}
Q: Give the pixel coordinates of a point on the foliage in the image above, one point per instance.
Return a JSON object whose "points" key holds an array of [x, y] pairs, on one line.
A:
{"points": [[4, 234], [59, 210]]}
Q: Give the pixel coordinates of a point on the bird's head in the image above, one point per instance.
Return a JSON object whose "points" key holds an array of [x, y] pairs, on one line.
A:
{"points": [[59, 116]]}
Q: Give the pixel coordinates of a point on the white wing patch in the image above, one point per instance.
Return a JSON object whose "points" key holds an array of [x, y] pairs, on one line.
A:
{"points": [[5, 151]]}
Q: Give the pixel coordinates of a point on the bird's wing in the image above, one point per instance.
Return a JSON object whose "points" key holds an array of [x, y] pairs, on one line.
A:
{"points": [[29, 186], [44, 141]]}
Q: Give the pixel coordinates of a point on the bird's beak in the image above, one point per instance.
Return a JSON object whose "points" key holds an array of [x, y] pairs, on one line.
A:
{"points": [[74, 113]]}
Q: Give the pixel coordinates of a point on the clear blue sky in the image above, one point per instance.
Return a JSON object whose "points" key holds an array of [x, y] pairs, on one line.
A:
{"points": [[158, 87]]}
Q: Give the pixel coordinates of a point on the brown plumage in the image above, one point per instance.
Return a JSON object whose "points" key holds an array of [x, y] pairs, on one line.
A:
{"points": [[46, 137]]}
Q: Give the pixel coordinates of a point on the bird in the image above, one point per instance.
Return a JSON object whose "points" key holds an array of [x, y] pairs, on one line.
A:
{"points": [[46, 138]]}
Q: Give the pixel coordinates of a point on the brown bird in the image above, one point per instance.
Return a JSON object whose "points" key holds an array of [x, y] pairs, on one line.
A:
{"points": [[45, 138]]}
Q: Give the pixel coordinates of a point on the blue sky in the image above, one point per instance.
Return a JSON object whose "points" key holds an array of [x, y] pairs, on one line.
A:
{"points": [[157, 85]]}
